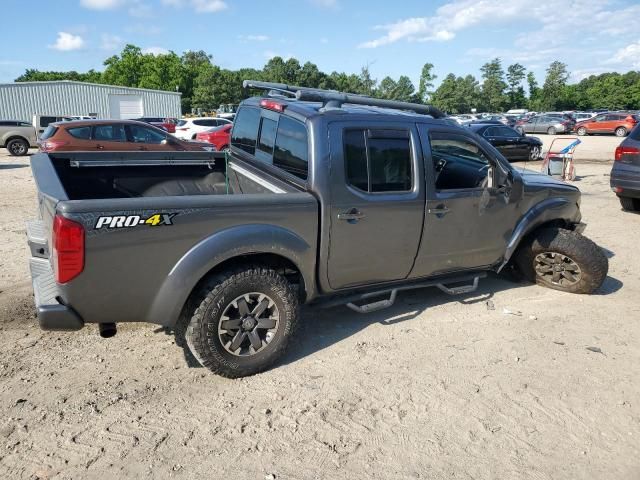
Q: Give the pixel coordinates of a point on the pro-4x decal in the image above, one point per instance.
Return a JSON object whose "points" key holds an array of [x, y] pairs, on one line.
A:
{"points": [[128, 221]]}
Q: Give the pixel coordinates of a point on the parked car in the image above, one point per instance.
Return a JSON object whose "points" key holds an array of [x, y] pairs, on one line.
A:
{"points": [[312, 207], [510, 143], [111, 135], [617, 123], [464, 118], [167, 124], [220, 137], [581, 116], [17, 136], [544, 124], [188, 128], [625, 173]]}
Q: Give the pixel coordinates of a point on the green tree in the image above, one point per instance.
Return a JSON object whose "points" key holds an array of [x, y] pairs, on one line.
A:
{"points": [[554, 84], [426, 82], [493, 86], [125, 69], [534, 92], [515, 75], [367, 84]]}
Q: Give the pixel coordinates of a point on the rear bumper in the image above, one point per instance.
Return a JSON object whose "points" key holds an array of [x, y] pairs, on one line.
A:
{"points": [[52, 313], [625, 180]]}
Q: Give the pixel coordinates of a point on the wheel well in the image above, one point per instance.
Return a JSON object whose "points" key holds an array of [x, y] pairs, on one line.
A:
{"points": [[282, 265], [16, 137]]}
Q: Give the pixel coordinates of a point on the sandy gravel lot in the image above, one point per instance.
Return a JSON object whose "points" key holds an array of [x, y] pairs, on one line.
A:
{"points": [[435, 387]]}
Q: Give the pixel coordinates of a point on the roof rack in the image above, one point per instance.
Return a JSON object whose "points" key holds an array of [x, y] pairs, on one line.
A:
{"points": [[332, 99]]}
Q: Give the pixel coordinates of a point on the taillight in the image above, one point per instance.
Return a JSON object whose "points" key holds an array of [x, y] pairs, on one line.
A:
{"points": [[623, 150], [52, 145], [68, 249], [272, 105]]}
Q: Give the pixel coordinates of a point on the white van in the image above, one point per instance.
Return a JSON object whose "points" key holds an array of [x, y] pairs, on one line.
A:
{"points": [[518, 111]]}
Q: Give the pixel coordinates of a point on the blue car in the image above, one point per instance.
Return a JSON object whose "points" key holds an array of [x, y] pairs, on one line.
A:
{"points": [[625, 174]]}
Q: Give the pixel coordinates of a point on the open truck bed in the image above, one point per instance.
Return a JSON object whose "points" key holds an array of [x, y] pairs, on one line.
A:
{"points": [[146, 219]]}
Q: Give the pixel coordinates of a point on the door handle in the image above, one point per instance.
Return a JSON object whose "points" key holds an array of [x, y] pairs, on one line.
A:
{"points": [[440, 211], [142, 148], [100, 147], [352, 215]]}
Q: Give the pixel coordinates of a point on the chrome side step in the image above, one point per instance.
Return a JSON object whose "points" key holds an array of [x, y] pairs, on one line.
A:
{"points": [[461, 289]]}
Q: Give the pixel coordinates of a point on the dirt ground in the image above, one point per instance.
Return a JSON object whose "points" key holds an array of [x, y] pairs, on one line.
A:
{"points": [[513, 381]]}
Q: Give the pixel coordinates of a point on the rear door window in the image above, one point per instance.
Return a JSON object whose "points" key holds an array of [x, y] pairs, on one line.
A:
{"points": [[378, 161], [82, 133], [267, 136], [291, 148], [109, 133], [245, 129]]}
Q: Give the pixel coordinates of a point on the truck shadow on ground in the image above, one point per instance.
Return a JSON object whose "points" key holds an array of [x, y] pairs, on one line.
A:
{"points": [[321, 328]]}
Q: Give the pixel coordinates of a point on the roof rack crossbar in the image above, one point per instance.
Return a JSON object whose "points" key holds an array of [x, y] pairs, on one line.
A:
{"points": [[334, 99]]}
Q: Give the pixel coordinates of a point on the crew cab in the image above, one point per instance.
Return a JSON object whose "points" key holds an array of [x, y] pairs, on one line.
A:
{"points": [[323, 198]]}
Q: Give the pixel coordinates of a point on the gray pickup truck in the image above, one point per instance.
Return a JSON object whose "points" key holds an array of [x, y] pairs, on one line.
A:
{"points": [[324, 198]]}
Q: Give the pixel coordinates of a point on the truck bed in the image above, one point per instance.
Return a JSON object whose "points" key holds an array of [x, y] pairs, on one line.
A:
{"points": [[128, 265]]}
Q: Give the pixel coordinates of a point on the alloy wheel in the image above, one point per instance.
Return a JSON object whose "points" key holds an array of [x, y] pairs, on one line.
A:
{"points": [[557, 269], [248, 324]]}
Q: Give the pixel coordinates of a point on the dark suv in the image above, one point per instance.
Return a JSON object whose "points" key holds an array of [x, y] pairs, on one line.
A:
{"points": [[625, 173]]}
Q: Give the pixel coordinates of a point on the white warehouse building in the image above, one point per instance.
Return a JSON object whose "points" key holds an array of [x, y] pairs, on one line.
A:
{"points": [[24, 100]]}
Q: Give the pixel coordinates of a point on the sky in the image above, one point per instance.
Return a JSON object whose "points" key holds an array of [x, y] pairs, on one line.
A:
{"points": [[393, 38]]}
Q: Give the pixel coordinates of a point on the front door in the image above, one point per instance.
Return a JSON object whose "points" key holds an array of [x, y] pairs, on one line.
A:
{"points": [[377, 203], [470, 214], [519, 148]]}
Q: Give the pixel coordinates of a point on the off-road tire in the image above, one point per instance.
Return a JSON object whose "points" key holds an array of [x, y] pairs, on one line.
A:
{"points": [[620, 132], [581, 131], [630, 204], [208, 304], [586, 254], [17, 147], [551, 130]]}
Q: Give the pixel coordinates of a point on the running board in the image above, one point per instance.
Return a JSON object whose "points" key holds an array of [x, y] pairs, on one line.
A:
{"points": [[388, 302], [461, 289]]}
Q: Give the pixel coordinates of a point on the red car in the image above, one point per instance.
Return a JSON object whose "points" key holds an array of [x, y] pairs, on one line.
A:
{"points": [[218, 136], [168, 124]]}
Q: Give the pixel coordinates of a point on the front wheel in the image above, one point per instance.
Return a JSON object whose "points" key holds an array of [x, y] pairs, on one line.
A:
{"points": [[562, 260], [551, 130], [242, 320], [18, 147], [621, 132], [581, 131]]}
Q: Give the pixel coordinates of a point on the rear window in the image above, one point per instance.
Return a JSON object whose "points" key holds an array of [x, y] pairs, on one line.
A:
{"points": [[82, 133], [181, 123], [245, 130], [291, 152], [49, 132]]}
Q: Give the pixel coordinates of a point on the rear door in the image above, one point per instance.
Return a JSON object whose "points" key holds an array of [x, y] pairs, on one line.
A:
{"points": [[109, 137], [80, 138], [377, 203]]}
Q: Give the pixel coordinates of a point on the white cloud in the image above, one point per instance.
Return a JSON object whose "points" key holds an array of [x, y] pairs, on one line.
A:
{"points": [[555, 28], [324, 40], [200, 6], [67, 42], [254, 38], [155, 51], [629, 55], [101, 4], [110, 42]]}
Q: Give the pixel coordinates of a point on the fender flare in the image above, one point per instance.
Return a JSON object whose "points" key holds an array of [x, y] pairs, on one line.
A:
{"points": [[225, 245], [548, 210]]}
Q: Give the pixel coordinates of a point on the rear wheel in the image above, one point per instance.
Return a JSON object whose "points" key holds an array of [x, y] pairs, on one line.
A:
{"points": [[551, 130], [630, 204], [581, 131], [562, 260], [242, 320], [17, 147], [621, 132]]}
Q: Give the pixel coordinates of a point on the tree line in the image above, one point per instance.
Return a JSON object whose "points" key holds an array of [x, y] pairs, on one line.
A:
{"points": [[205, 85]]}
